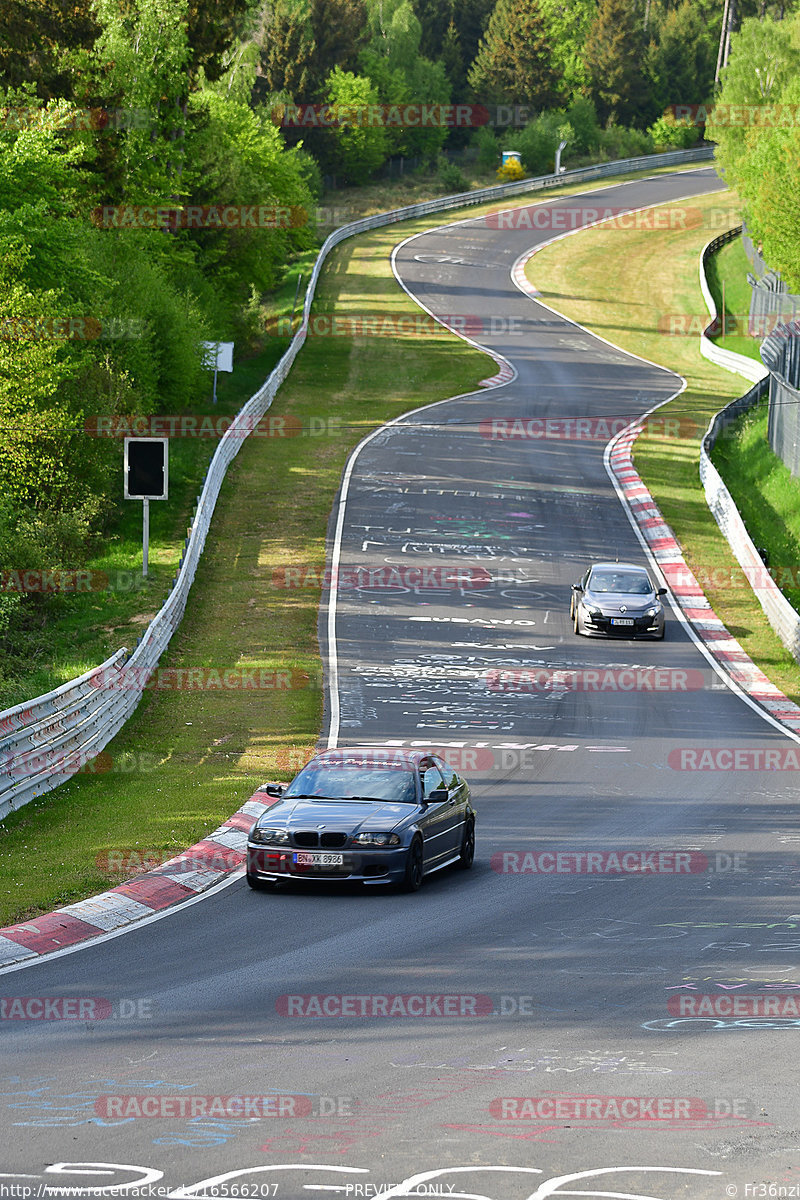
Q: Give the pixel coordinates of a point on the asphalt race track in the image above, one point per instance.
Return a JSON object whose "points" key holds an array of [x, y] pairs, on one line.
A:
{"points": [[550, 1028]]}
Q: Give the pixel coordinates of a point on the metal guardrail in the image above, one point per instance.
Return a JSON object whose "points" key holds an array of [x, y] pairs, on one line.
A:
{"points": [[740, 364], [783, 618], [47, 739]]}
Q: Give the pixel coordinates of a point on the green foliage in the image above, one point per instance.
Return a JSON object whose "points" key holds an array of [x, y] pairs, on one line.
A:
{"points": [[614, 56], [681, 57], [239, 160], [514, 63], [581, 116], [452, 177], [145, 53], [765, 56], [287, 53], [760, 156], [488, 148], [360, 147], [567, 23], [537, 143], [617, 141], [669, 133]]}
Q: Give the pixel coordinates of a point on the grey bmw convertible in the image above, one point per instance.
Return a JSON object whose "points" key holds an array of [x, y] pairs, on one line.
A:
{"points": [[373, 814], [617, 598]]}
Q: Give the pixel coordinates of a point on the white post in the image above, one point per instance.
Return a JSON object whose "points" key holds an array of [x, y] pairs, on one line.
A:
{"points": [[215, 385], [145, 535]]}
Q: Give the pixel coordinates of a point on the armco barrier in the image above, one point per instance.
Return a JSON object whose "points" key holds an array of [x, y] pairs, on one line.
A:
{"points": [[740, 364], [783, 618], [47, 739]]}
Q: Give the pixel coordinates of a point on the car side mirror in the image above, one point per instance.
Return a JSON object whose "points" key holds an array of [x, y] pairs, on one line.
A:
{"points": [[275, 789], [577, 587], [438, 796], [661, 592]]}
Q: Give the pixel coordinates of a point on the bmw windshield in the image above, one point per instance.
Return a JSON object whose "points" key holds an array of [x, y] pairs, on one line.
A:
{"points": [[343, 783]]}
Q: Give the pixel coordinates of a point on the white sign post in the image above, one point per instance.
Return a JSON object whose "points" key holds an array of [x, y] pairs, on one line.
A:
{"points": [[218, 355]]}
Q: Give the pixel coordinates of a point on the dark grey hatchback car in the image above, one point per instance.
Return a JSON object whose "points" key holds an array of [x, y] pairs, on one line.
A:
{"points": [[617, 599], [372, 814]]}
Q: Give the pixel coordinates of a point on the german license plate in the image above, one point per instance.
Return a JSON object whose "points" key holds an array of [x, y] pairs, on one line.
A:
{"points": [[622, 620], [318, 858]]}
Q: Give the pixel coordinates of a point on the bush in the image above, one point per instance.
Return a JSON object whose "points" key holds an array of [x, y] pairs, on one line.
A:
{"points": [[616, 141], [510, 171], [488, 149], [582, 118], [668, 133], [538, 141], [452, 177]]}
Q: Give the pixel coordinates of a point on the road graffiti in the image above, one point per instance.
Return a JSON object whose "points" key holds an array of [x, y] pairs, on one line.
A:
{"points": [[263, 1181]]}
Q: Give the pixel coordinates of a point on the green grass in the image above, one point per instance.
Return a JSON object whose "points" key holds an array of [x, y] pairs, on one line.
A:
{"points": [[654, 276], [728, 269], [71, 633], [187, 759], [766, 494]]}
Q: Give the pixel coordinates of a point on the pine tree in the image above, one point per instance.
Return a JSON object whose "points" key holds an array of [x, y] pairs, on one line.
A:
{"points": [[471, 18], [513, 63], [453, 61], [286, 57], [338, 30], [614, 57]]}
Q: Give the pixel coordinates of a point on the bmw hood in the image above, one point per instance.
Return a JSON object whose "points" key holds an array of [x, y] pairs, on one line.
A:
{"points": [[343, 816]]}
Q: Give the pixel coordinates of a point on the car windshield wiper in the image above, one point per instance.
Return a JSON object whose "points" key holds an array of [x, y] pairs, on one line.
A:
{"points": [[381, 800], [306, 796]]}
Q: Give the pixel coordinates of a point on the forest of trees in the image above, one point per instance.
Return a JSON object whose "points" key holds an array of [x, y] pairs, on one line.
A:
{"points": [[170, 106]]}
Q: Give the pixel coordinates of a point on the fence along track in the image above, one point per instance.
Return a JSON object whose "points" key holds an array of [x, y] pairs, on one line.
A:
{"points": [[775, 349], [47, 739]]}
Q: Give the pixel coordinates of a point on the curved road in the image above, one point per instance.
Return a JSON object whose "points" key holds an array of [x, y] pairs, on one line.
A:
{"points": [[590, 1044]]}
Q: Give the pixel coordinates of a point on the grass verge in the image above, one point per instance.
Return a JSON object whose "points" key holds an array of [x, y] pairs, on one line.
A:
{"points": [[652, 277], [766, 494], [726, 272], [189, 757]]}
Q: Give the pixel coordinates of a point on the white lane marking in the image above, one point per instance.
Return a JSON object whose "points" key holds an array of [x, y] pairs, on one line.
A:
{"points": [[678, 612], [335, 556], [333, 664]]}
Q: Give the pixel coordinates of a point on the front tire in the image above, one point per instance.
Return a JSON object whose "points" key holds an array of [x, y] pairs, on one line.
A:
{"points": [[412, 880], [467, 855], [576, 621]]}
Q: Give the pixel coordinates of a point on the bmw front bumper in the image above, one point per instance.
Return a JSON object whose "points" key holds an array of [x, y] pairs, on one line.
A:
{"points": [[381, 865]]}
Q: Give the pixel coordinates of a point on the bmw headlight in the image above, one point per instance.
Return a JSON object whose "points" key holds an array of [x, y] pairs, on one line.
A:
{"points": [[377, 839], [269, 837]]}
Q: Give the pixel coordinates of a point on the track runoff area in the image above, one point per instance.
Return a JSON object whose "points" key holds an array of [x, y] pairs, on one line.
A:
{"points": [[607, 1003]]}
